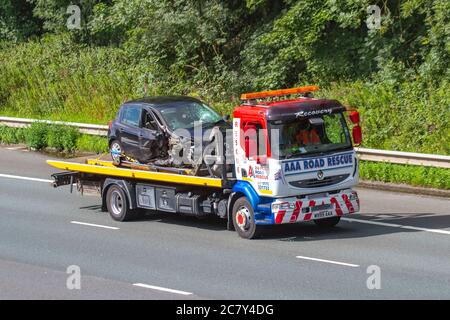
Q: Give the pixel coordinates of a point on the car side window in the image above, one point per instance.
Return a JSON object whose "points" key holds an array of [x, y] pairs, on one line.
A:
{"points": [[148, 122], [131, 116]]}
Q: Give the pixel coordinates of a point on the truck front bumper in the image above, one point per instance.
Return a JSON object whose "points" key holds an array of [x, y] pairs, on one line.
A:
{"points": [[313, 207]]}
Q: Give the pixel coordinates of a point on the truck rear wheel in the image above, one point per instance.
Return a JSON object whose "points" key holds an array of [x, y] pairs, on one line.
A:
{"points": [[117, 204], [244, 219], [327, 222]]}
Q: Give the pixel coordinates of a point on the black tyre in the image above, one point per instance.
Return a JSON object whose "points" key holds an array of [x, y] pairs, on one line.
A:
{"points": [[118, 206], [116, 151], [244, 219], [327, 222]]}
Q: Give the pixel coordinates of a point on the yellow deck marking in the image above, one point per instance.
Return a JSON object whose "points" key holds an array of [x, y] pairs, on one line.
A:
{"points": [[108, 169]]}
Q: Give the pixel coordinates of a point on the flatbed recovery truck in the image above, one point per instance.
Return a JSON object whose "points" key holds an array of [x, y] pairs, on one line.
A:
{"points": [[276, 177]]}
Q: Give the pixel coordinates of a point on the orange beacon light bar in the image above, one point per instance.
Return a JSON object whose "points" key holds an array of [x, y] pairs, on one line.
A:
{"points": [[279, 92]]}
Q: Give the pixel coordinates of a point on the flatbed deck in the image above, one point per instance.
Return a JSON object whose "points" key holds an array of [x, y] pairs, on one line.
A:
{"points": [[107, 168]]}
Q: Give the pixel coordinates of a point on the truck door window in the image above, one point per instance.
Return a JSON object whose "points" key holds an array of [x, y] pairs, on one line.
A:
{"points": [[131, 116], [254, 140]]}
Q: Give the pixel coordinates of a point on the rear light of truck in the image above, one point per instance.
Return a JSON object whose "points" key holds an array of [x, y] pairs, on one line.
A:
{"points": [[356, 130], [110, 124]]}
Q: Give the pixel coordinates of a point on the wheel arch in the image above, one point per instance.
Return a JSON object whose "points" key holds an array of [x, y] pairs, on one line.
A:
{"points": [[126, 186], [241, 189]]}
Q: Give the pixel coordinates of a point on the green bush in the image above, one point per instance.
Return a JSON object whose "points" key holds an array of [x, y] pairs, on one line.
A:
{"points": [[62, 138], [408, 174], [20, 134], [8, 135], [92, 143], [70, 137], [36, 135], [55, 137]]}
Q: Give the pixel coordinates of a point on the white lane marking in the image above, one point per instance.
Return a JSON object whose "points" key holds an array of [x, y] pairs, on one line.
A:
{"points": [[397, 226], [384, 224], [426, 229], [15, 148], [147, 286], [94, 225], [9, 176], [329, 261]]}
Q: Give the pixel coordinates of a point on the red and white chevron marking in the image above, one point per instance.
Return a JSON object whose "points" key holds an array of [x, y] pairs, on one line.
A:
{"points": [[341, 205]]}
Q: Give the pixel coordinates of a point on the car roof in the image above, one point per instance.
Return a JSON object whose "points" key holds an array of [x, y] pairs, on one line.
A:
{"points": [[159, 101]]}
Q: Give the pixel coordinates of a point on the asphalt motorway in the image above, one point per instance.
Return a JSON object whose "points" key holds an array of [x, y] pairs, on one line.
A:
{"points": [[397, 248]]}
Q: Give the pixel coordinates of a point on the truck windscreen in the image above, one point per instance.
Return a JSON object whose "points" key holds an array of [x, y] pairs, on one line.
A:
{"points": [[300, 137]]}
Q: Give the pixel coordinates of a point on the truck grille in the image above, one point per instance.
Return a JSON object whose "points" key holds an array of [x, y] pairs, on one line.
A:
{"points": [[316, 183]]}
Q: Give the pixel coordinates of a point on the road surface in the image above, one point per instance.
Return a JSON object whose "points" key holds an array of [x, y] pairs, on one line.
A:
{"points": [[44, 231]]}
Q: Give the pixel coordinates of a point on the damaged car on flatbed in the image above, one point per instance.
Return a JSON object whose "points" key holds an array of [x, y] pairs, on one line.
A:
{"points": [[287, 157], [158, 133]]}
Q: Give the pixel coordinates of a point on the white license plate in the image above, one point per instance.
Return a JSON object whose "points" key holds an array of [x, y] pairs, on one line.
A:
{"points": [[323, 214]]}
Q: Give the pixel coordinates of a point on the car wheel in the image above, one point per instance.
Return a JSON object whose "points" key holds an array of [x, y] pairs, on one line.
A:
{"points": [[116, 151]]}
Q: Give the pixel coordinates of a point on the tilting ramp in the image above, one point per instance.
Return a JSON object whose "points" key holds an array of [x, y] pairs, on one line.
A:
{"points": [[106, 168]]}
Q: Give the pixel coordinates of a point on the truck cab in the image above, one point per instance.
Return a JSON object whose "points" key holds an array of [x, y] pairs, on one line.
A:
{"points": [[294, 158]]}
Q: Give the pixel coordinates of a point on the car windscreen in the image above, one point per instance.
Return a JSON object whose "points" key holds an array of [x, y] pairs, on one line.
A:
{"points": [[183, 115], [305, 136]]}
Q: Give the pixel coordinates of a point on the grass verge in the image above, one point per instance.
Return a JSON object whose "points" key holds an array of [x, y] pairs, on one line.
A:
{"points": [[409, 174], [65, 140]]}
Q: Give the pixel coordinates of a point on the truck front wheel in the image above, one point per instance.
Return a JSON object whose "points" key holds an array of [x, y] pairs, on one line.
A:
{"points": [[117, 204], [244, 219], [327, 222]]}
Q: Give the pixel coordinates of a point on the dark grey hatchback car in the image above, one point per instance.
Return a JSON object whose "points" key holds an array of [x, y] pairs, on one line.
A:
{"points": [[142, 128]]}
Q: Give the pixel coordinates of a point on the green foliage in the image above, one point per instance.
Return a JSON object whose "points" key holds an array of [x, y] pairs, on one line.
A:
{"points": [[59, 80], [36, 135], [406, 116], [10, 135], [408, 174], [62, 138], [92, 143], [397, 76], [17, 22]]}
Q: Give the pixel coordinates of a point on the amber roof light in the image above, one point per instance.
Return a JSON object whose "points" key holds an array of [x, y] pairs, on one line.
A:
{"points": [[279, 92]]}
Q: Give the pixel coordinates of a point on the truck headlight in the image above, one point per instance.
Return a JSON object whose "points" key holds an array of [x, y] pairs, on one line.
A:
{"points": [[280, 206], [353, 196]]}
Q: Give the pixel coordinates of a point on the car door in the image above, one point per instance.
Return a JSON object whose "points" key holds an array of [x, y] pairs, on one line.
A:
{"points": [[129, 130], [150, 140]]}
